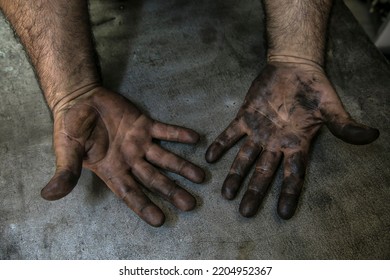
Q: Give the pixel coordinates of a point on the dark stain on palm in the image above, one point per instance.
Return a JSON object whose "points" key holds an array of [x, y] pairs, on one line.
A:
{"points": [[307, 97], [307, 101], [258, 122], [290, 141]]}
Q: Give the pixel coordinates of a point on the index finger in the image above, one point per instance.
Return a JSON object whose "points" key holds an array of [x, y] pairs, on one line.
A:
{"points": [[224, 141]]}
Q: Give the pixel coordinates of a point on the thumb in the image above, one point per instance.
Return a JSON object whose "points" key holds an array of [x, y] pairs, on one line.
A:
{"points": [[341, 124], [352, 132], [69, 154]]}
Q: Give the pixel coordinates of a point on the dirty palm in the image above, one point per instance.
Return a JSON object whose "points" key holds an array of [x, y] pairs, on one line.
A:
{"points": [[284, 108]]}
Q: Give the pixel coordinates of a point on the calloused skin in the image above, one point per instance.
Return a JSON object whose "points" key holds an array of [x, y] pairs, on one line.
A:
{"points": [[106, 133], [284, 108]]}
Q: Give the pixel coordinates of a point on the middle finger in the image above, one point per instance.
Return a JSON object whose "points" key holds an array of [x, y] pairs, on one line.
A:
{"points": [[152, 179], [260, 181]]}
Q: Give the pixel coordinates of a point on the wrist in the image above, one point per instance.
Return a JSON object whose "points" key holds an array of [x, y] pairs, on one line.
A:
{"points": [[59, 100], [306, 62]]}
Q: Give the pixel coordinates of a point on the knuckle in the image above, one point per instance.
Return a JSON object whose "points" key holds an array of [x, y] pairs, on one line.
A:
{"points": [[265, 170]]}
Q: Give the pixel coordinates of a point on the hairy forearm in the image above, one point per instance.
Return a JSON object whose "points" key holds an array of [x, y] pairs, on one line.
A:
{"points": [[57, 37], [297, 28]]}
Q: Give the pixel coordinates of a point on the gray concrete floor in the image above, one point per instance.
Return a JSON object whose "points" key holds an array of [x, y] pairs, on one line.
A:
{"points": [[191, 63], [360, 10]]}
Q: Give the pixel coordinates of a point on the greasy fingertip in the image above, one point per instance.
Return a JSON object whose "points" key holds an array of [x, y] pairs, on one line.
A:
{"points": [[230, 186], [214, 152], [250, 203], [153, 216], [360, 135], [195, 174], [287, 205], [354, 133], [189, 136], [184, 200], [193, 137], [62, 183]]}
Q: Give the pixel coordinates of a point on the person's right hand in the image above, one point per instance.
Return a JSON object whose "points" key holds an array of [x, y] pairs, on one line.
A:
{"points": [[284, 108], [107, 134]]}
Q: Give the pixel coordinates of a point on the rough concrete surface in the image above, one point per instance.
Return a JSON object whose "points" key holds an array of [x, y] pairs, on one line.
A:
{"points": [[191, 63]]}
